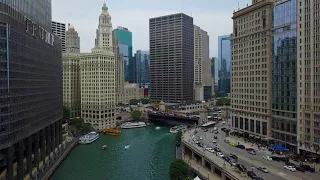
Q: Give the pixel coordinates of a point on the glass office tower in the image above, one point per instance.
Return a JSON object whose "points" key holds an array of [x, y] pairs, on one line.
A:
{"points": [[224, 55], [30, 89], [124, 38], [284, 78]]}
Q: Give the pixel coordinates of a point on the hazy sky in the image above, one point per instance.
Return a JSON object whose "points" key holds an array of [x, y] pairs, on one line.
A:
{"points": [[213, 16]]}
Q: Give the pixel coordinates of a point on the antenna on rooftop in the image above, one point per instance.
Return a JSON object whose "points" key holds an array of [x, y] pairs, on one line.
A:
{"points": [[238, 6], [191, 14]]}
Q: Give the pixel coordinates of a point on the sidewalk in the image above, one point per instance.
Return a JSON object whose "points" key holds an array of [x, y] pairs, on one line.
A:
{"points": [[201, 171]]}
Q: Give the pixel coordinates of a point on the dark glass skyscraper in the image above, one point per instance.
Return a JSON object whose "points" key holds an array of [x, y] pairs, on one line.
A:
{"points": [[30, 88], [171, 58], [284, 78], [224, 54]]}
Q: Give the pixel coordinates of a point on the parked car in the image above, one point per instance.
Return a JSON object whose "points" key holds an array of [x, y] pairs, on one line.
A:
{"points": [[251, 174], [210, 150], [223, 128], [233, 144], [241, 146], [216, 132], [263, 169], [226, 158], [234, 156], [217, 149], [201, 138], [253, 152], [290, 164], [250, 149], [290, 168], [214, 141], [232, 162], [268, 158], [226, 141], [205, 130], [241, 167], [301, 169], [220, 154], [308, 168]]}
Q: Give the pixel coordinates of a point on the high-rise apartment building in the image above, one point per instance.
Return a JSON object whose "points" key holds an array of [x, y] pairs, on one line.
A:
{"points": [[60, 30], [71, 73], [124, 38], [171, 58], [142, 68], [308, 76], [30, 89], [284, 74], [202, 63], [251, 69], [224, 55]]}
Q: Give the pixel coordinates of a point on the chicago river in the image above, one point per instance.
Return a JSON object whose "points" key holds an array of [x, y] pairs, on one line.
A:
{"points": [[148, 158]]}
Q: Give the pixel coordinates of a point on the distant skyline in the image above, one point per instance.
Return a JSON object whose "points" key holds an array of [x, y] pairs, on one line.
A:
{"points": [[212, 16]]}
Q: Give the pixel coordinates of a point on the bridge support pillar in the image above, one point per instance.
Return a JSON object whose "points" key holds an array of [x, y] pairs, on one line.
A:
{"points": [[212, 169], [193, 156], [223, 175], [203, 163]]}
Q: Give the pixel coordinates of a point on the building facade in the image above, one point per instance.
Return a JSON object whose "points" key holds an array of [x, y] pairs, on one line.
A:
{"points": [[171, 58], [30, 89], [142, 68], [132, 91], [251, 69], [284, 74], [308, 74], [224, 55], [124, 38], [60, 30], [71, 73]]}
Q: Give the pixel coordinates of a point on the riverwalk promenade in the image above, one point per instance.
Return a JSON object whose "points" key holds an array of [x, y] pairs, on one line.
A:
{"points": [[69, 146]]}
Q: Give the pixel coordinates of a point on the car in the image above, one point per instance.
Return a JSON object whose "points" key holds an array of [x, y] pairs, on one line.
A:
{"points": [[226, 141], [201, 145], [308, 168], [234, 156], [233, 144], [217, 149], [241, 167], [251, 174], [268, 158], [290, 164], [263, 169], [205, 130], [301, 169], [232, 163], [220, 154], [252, 152], [216, 132], [201, 138], [250, 149], [223, 128], [290, 168], [210, 150], [214, 141], [223, 122], [241, 146], [205, 146], [226, 158]]}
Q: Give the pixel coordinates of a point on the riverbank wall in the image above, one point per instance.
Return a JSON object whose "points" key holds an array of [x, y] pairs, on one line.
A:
{"points": [[56, 164]]}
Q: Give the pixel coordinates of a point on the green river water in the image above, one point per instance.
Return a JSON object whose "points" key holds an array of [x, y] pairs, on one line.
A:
{"points": [[148, 158]]}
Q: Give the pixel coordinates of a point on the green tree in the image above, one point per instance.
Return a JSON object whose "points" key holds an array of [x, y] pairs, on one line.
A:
{"points": [[66, 113], [145, 100], [223, 101], [178, 170], [133, 101], [136, 115]]}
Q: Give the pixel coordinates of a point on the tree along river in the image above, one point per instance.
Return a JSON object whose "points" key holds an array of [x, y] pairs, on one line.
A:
{"points": [[148, 158]]}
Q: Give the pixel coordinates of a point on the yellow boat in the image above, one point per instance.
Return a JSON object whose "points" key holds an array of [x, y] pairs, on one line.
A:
{"points": [[114, 132]]}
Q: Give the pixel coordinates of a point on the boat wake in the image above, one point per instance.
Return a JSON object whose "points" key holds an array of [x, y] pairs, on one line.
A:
{"points": [[127, 147]]}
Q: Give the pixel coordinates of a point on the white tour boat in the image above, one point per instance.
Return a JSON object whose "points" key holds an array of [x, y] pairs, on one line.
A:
{"points": [[176, 129], [88, 138], [129, 125]]}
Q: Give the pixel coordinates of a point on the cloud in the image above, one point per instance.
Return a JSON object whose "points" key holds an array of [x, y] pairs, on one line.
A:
{"points": [[85, 21]]}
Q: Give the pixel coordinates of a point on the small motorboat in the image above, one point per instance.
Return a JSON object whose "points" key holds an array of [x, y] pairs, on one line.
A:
{"points": [[157, 128], [104, 147], [127, 147]]}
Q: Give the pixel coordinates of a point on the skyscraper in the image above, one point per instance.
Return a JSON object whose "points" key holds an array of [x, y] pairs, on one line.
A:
{"points": [[251, 69], [60, 30], [308, 74], [142, 68], [71, 73], [224, 55], [284, 76], [202, 64], [98, 98], [72, 40], [30, 89], [171, 58], [124, 38]]}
